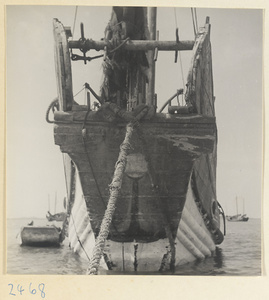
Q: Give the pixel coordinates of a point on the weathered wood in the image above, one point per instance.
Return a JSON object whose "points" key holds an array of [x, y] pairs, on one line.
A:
{"points": [[133, 45], [200, 94], [167, 119], [182, 141], [62, 66], [200, 80], [151, 71], [174, 149]]}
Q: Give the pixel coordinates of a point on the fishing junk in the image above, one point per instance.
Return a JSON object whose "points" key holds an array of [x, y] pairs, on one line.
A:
{"points": [[141, 184]]}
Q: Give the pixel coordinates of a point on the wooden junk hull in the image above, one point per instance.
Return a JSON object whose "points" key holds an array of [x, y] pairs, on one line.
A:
{"points": [[158, 181], [40, 236], [166, 213]]}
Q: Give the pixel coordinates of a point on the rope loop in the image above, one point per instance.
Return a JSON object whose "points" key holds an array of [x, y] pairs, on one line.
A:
{"points": [[54, 105]]}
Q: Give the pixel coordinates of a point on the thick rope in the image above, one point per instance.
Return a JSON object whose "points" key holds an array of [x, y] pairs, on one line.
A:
{"points": [[114, 187], [54, 106]]}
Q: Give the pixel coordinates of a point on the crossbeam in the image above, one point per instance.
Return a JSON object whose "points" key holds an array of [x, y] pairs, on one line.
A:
{"points": [[132, 45]]}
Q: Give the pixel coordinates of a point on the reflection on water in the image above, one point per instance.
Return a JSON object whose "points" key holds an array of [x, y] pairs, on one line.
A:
{"points": [[239, 254]]}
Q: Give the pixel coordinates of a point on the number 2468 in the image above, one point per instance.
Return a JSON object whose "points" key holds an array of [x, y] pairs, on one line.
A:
{"points": [[20, 290]]}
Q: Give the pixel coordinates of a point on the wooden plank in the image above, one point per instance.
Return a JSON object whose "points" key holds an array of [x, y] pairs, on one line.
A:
{"points": [[133, 45], [151, 72], [62, 67]]}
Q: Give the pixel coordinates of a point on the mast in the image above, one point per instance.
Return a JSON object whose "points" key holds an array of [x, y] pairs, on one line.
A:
{"points": [[152, 11], [236, 206], [55, 202]]}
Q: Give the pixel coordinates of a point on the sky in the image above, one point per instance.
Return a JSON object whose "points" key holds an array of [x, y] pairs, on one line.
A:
{"points": [[34, 163]]}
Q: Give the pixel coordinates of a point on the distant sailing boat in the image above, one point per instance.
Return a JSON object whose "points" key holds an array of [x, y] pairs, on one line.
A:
{"points": [[238, 217], [59, 217]]}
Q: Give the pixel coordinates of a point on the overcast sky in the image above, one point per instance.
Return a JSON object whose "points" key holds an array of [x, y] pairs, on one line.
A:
{"points": [[34, 162]]}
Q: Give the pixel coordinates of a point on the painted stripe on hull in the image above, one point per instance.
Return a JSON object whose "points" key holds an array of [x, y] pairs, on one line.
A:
{"points": [[193, 242]]}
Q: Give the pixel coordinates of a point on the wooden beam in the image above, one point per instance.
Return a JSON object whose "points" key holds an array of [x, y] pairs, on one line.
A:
{"points": [[151, 72], [133, 45]]}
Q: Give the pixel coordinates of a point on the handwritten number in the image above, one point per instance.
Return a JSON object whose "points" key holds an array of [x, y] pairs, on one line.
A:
{"points": [[10, 293], [32, 291], [42, 290], [20, 289]]}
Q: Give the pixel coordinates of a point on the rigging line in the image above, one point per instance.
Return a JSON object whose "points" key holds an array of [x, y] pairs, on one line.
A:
{"points": [[182, 73], [91, 166], [74, 24], [211, 176], [79, 92], [208, 98], [175, 13], [204, 183], [65, 176], [78, 237], [196, 20], [193, 22], [180, 60]]}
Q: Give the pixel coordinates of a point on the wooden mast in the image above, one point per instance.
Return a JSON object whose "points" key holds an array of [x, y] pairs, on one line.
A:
{"points": [[151, 74], [236, 206]]}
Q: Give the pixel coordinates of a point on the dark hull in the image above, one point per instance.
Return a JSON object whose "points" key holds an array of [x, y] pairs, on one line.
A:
{"points": [[168, 150], [40, 236], [171, 162]]}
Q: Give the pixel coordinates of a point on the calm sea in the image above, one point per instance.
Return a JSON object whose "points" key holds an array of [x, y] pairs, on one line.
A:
{"points": [[239, 254]]}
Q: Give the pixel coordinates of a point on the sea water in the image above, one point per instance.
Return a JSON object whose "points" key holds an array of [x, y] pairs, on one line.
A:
{"points": [[238, 255]]}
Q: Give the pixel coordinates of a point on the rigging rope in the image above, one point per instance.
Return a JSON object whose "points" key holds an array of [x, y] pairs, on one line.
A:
{"points": [[54, 105], [175, 12], [194, 29], [114, 187], [79, 92], [180, 60], [74, 24], [84, 140], [79, 238], [66, 222], [196, 20]]}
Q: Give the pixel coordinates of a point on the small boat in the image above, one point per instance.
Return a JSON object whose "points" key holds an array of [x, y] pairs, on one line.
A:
{"points": [[58, 217], [238, 217], [41, 236]]}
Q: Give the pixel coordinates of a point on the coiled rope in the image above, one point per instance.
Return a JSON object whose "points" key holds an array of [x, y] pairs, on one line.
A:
{"points": [[114, 188]]}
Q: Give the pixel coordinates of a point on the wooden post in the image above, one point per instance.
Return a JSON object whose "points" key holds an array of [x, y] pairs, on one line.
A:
{"points": [[151, 74], [133, 45]]}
